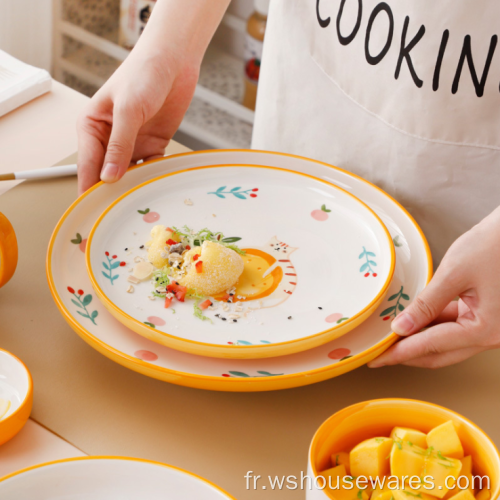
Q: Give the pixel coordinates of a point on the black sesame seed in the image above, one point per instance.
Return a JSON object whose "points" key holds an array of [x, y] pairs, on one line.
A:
{"points": [[289, 317], [231, 294], [235, 321], [320, 308], [217, 315], [223, 319], [126, 249], [141, 247]]}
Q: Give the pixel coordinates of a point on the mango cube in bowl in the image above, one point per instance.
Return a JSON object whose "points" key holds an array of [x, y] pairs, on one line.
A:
{"points": [[444, 438], [371, 457]]}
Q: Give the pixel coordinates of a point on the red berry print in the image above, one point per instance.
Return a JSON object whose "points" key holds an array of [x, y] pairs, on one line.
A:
{"points": [[255, 189], [226, 375], [367, 274], [123, 264], [71, 290], [107, 254], [155, 320], [83, 245], [339, 353], [387, 318], [114, 256], [253, 195], [146, 355], [333, 318], [151, 217], [374, 275], [320, 215], [80, 292]]}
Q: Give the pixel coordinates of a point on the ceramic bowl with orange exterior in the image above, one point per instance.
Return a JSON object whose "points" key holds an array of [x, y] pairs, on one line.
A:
{"points": [[8, 250], [354, 424], [16, 395]]}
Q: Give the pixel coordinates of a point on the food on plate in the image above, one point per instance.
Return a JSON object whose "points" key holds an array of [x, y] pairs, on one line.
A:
{"points": [[409, 463], [4, 407], [194, 265], [210, 269]]}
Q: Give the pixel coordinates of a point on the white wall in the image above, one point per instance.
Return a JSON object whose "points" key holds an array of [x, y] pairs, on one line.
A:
{"points": [[26, 30]]}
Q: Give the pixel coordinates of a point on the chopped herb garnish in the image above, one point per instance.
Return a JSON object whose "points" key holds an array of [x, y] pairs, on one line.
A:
{"points": [[199, 313], [196, 239], [161, 280], [412, 494], [440, 455], [410, 443], [360, 495], [398, 444], [379, 440], [337, 460]]}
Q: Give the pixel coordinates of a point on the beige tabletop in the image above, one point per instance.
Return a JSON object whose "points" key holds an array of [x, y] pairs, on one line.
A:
{"points": [[104, 409]]}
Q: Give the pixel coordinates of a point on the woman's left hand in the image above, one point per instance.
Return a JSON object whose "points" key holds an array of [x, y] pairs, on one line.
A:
{"points": [[456, 330]]}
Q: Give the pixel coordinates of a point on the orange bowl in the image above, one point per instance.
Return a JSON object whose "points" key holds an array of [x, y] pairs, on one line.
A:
{"points": [[8, 250], [16, 386], [369, 419]]}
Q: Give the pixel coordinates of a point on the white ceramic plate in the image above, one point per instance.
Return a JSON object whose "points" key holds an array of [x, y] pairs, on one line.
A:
{"points": [[69, 283], [331, 254], [107, 478]]}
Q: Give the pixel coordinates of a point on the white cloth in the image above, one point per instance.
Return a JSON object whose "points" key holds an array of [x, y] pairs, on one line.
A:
{"points": [[20, 83], [431, 139]]}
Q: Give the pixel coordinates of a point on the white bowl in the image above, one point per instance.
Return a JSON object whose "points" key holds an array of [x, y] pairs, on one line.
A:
{"points": [[107, 478], [17, 387]]}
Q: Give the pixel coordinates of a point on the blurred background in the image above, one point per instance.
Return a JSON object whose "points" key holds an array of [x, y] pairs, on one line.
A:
{"points": [[81, 43]]}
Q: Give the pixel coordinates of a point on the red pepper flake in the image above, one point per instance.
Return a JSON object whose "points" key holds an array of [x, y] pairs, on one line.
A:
{"points": [[199, 266], [226, 296], [170, 241], [205, 304], [195, 257], [218, 237], [168, 301], [169, 229], [188, 247]]}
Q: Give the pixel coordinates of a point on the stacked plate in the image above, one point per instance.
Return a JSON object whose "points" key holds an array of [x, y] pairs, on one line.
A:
{"points": [[328, 261]]}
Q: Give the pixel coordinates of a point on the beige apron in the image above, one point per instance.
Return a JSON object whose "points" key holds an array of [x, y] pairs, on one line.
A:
{"points": [[403, 93]]}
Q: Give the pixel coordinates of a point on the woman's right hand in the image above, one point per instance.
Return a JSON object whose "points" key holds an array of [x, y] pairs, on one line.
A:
{"points": [[138, 110]]}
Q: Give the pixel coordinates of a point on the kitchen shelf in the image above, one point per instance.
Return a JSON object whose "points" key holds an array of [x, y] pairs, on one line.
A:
{"points": [[215, 115]]}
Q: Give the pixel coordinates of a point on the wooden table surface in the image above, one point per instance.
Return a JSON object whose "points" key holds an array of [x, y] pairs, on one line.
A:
{"points": [[104, 409]]}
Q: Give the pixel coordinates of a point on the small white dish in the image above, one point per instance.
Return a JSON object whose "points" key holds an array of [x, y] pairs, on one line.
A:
{"points": [[16, 395], [107, 478], [329, 251]]}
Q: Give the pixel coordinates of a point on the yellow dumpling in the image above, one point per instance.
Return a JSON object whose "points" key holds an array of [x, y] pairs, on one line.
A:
{"points": [[157, 254], [220, 269]]}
